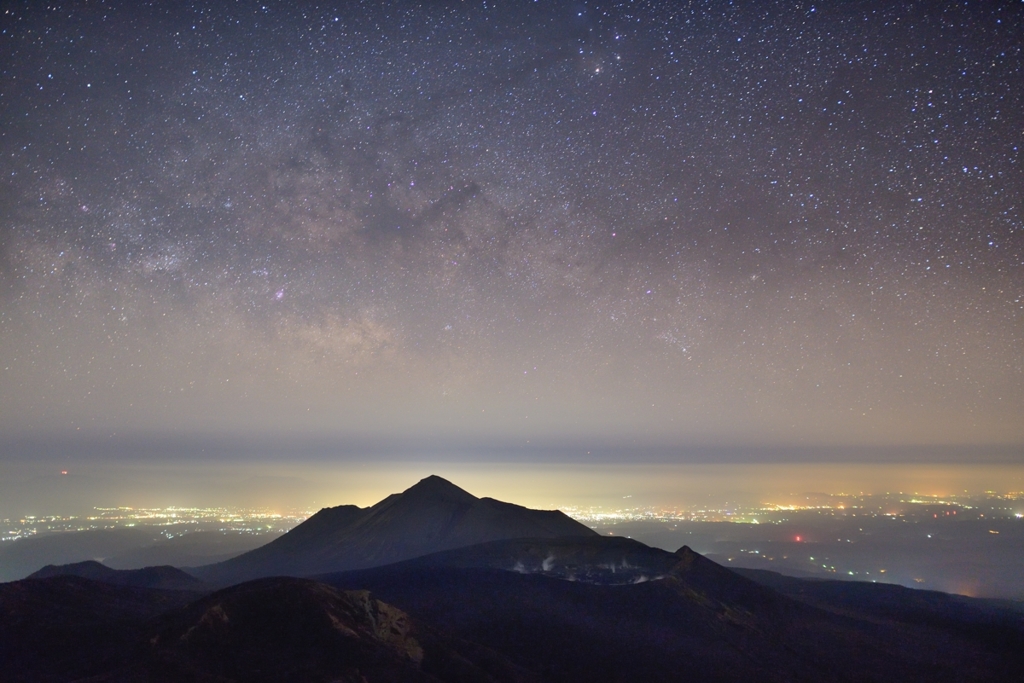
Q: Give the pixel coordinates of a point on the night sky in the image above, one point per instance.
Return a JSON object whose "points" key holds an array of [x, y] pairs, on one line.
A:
{"points": [[707, 224]]}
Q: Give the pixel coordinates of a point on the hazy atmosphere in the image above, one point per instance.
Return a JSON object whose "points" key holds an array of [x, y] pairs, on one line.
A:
{"points": [[315, 254]]}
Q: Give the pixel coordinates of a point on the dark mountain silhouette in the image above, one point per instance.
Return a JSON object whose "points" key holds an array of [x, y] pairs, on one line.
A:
{"points": [[431, 516], [68, 628], [700, 621], [18, 560], [65, 628], [546, 600], [148, 577], [287, 629], [591, 559], [985, 620]]}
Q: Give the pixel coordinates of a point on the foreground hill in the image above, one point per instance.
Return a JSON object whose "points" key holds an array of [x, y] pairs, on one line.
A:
{"points": [[591, 559], [995, 622], [67, 627], [699, 621], [285, 629], [431, 516], [559, 610]]}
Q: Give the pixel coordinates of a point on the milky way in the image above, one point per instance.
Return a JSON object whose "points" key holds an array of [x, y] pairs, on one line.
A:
{"points": [[702, 223]]}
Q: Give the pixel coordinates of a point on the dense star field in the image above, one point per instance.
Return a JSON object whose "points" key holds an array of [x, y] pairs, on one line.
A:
{"points": [[707, 222]]}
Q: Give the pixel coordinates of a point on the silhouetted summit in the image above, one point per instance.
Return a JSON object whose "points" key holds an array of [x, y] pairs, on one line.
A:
{"points": [[431, 516], [436, 488]]}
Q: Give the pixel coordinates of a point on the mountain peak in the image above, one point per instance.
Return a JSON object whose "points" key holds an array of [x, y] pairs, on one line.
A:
{"points": [[438, 487], [432, 515]]}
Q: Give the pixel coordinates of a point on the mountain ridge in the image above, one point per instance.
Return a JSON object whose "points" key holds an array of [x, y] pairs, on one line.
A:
{"points": [[555, 608], [165, 577], [430, 516]]}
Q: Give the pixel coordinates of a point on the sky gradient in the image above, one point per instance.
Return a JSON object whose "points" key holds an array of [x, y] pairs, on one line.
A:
{"points": [[675, 226]]}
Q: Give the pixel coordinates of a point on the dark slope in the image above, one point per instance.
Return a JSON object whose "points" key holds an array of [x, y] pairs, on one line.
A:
{"points": [[286, 629], [431, 516], [68, 627], [700, 622], [991, 622], [167, 578], [591, 559], [500, 611]]}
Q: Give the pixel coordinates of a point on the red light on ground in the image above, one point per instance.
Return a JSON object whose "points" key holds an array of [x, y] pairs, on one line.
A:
{"points": [[797, 539], [63, 471]]}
